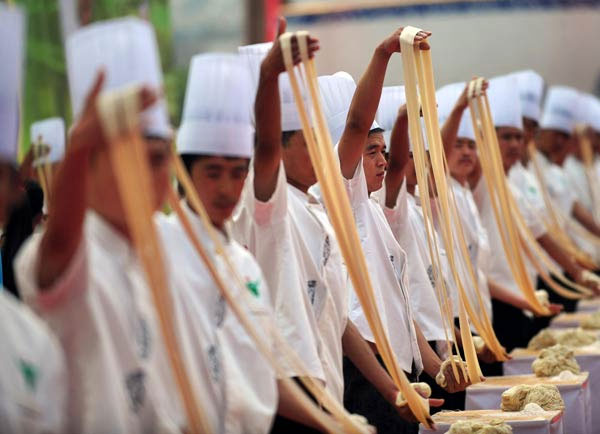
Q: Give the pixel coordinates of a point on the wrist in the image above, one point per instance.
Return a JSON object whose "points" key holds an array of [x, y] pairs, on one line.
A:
{"points": [[268, 73], [382, 52]]}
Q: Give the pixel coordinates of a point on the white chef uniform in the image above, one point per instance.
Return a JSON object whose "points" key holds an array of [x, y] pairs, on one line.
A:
{"points": [[245, 390], [101, 311], [506, 111], [100, 308], [268, 231], [33, 383], [216, 122], [407, 224], [33, 379], [387, 263]]}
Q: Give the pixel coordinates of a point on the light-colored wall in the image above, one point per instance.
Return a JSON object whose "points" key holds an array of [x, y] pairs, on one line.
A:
{"points": [[562, 44]]}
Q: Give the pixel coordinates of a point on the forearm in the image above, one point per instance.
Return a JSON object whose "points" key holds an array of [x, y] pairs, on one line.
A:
{"points": [[65, 222], [506, 296], [361, 355], [399, 155], [289, 407], [267, 156], [362, 112], [431, 361], [586, 219], [560, 256], [450, 128]]}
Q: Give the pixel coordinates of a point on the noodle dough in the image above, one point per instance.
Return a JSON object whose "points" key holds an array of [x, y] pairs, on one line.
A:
{"points": [[546, 396], [591, 322], [478, 427], [552, 361], [440, 378], [571, 338]]}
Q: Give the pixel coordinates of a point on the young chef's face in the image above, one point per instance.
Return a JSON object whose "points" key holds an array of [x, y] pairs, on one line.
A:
{"points": [[555, 144], [374, 162], [296, 160], [219, 182], [511, 144], [104, 194], [530, 126], [462, 158]]}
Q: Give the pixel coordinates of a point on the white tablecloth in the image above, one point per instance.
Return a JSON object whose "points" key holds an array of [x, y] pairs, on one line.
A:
{"points": [[576, 395], [588, 305], [590, 362], [552, 423]]}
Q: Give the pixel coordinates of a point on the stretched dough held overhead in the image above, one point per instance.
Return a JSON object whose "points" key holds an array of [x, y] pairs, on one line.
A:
{"points": [[478, 427]]}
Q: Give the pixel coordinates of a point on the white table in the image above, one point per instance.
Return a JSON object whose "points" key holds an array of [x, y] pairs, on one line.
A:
{"points": [[568, 320], [575, 394], [588, 359], [550, 422], [592, 305]]}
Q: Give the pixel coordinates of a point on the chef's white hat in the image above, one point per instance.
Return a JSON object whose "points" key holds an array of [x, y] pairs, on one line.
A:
{"points": [[531, 91], [587, 111], [337, 91], [446, 97], [592, 112], [505, 103], [126, 49], [50, 132], [216, 112], [12, 40], [392, 97], [560, 109], [252, 56]]}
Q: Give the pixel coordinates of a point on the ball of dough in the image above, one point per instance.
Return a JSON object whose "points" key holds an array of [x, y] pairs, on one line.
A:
{"points": [[543, 297], [553, 360], [576, 338], [591, 322], [546, 396], [479, 344], [440, 378], [423, 389], [544, 339], [480, 427]]}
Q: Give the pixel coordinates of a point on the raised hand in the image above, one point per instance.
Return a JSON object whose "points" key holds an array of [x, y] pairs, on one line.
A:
{"points": [[391, 44], [273, 63]]}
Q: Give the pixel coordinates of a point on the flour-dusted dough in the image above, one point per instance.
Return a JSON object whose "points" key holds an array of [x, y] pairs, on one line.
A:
{"points": [[546, 396], [440, 378], [591, 322], [573, 338], [480, 427], [422, 389], [553, 360]]}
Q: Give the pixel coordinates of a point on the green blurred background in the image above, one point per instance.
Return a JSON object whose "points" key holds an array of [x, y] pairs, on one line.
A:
{"points": [[46, 91]]}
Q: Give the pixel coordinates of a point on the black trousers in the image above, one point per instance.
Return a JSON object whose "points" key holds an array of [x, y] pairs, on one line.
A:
{"points": [[513, 328], [283, 425], [362, 398]]}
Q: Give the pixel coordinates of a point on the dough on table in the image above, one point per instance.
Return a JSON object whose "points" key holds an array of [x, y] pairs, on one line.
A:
{"points": [[553, 360], [546, 396], [480, 427]]}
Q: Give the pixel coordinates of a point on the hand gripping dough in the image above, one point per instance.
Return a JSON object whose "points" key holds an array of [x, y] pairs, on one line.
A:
{"points": [[440, 378], [422, 389], [542, 297], [552, 361], [478, 427], [546, 396]]}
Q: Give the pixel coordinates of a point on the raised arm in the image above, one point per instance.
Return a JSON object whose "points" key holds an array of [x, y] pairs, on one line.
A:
{"points": [[398, 157], [65, 222], [585, 218], [366, 100], [267, 110]]}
